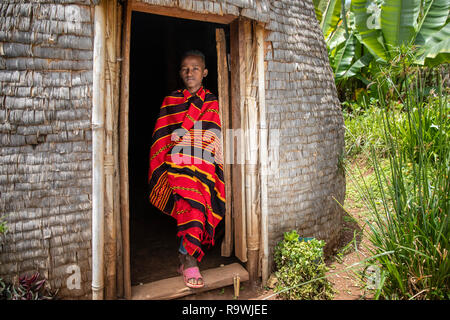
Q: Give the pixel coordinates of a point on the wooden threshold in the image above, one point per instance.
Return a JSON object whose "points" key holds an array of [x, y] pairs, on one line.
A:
{"points": [[173, 288]]}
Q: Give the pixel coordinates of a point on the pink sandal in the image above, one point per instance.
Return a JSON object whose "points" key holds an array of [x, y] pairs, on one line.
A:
{"points": [[191, 273]]}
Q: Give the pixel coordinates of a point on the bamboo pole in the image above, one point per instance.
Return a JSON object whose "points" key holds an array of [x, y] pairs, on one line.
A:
{"points": [[98, 111]]}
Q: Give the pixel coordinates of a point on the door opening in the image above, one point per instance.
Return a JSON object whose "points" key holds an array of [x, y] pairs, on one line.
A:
{"points": [[156, 46]]}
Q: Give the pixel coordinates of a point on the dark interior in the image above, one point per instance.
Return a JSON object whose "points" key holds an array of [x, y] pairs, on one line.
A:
{"points": [[157, 44]]}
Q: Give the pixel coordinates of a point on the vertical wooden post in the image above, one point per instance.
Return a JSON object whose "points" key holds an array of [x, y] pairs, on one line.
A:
{"points": [[250, 124], [98, 151], [263, 156], [116, 209], [123, 146], [237, 105], [110, 91], [222, 80]]}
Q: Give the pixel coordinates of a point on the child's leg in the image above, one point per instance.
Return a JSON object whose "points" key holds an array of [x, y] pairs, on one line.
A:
{"points": [[187, 261]]}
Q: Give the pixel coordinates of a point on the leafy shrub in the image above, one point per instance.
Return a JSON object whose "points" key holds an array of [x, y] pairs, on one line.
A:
{"points": [[300, 269], [28, 288]]}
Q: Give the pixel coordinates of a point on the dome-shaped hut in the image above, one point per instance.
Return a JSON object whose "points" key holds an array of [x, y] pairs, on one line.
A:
{"points": [[80, 81]]}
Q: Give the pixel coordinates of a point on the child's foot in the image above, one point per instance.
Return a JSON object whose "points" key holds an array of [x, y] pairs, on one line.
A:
{"points": [[190, 271]]}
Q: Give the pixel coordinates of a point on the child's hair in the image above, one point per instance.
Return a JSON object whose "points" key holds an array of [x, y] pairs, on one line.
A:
{"points": [[196, 53]]}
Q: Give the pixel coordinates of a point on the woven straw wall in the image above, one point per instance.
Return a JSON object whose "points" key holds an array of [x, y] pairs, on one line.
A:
{"points": [[45, 139], [302, 104]]}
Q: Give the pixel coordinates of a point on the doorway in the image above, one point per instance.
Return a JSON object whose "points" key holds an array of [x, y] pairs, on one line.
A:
{"points": [[156, 46]]}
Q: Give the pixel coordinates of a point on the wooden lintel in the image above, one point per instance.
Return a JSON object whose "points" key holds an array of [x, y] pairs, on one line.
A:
{"points": [[180, 13]]}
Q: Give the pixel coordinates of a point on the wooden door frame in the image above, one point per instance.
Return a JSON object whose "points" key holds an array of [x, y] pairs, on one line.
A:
{"points": [[235, 105]]}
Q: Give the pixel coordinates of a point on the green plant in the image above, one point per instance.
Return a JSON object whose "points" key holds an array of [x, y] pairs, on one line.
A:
{"points": [[364, 36], [364, 129], [29, 287], [3, 289], [384, 26], [412, 220], [3, 226], [300, 269]]}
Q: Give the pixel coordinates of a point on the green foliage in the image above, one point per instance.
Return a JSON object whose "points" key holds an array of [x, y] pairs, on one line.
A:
{"points": [[364, 128], [364, 118], [3, 226], [28, 288], [384, 26], [409, 214], [427, 118], [368, 35], [300, 269]]}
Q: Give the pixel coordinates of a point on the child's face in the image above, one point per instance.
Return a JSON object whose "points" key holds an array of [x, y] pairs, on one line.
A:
{"points": [[192, 72]]}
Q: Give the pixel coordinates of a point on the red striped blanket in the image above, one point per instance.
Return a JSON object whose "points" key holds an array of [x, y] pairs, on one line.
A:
{"points": [[186, 166]]}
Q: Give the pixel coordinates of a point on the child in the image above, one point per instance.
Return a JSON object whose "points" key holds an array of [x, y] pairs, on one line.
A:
{"points": [[186, 166]]}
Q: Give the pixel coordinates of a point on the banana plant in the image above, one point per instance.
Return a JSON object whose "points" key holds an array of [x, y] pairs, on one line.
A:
{"points": [[372, 31], [384, 26], [434, 34], [329, 12], [342, 44]]}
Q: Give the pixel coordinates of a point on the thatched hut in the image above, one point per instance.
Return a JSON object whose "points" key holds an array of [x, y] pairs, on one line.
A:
{"points": [[80, 81]]}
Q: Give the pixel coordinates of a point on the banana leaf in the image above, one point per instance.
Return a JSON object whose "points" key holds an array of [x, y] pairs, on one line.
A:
{"points": [[336, 38], [354, 69], [437, 49], [434, 18], [372, 38], [320, 6], [331, 17], [399, 22], [344, 56]]}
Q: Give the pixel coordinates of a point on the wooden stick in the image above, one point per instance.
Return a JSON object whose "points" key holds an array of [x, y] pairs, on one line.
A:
{"points": [[237, 94], [116, 209], [123, 141], [222, 72], [263, 145]]}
